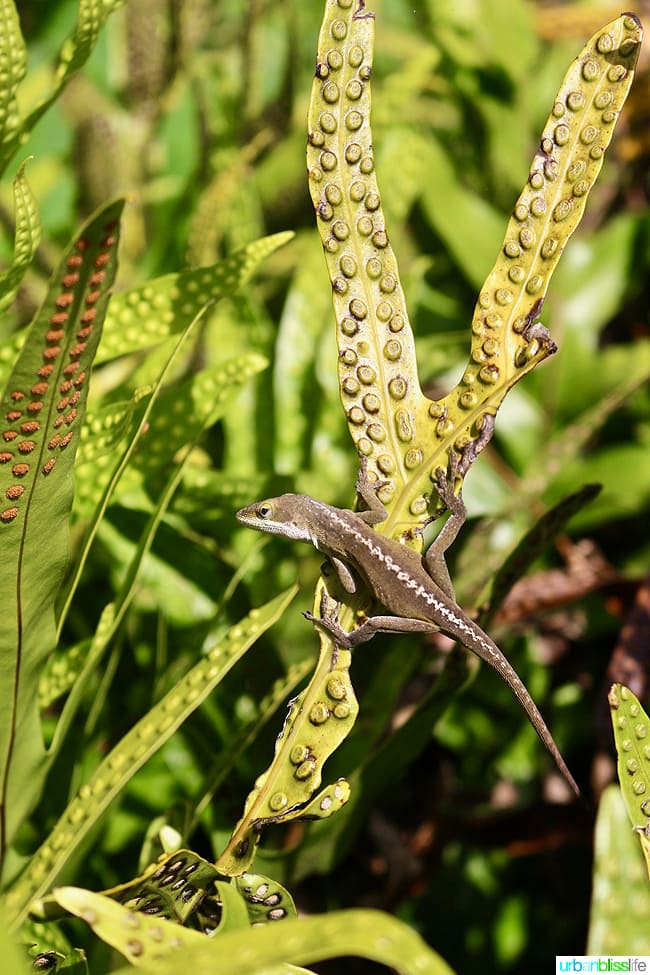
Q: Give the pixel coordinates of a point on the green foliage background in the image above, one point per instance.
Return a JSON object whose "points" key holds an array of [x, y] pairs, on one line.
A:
{"points": [[196, 112]]}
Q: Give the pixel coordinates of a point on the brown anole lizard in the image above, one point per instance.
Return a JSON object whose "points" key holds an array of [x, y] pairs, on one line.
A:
{"points": [[416, 591]]}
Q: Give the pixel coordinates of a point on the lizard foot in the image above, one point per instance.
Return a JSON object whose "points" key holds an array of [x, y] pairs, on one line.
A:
{"points": [[445, 482], [328, 620], [367, 491], [331, 626], [364, 482]]}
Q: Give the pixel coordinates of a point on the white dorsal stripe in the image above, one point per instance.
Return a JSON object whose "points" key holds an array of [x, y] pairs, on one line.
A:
{"points": [[442, 609]]}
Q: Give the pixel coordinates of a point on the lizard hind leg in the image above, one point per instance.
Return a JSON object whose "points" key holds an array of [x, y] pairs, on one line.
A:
{"points": [[366, 630], [445, 482]]}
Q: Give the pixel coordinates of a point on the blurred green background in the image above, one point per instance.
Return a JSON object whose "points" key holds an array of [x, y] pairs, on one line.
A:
{"points": [[196, 112]]}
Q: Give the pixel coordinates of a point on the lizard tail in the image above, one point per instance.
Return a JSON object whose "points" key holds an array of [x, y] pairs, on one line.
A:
{"points": [[488, 650]]}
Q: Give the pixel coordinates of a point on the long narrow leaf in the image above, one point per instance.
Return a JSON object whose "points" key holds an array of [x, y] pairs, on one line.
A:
{"points": [[161, 946], [620, 894], [41, 412], [27, 235], [130, 754], [14, 65], [74, 54], [109, 486]]}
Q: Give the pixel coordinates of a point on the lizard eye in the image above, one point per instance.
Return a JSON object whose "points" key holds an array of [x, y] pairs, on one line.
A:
{"points": [[264, 510]]}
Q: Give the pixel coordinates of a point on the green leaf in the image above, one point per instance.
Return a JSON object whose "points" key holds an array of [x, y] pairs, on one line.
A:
{"points": [[239, 739], [13, 960], [619, 373], [620, 899], [632, 736], [158, 945], [404, 435], [146, 315], [26, 238], [295, 392], [42, 410], [592, 280], [362, 933], [130, 754], [74, 54], [319, 719], [123, 928], [184, 888], [13, 55]]}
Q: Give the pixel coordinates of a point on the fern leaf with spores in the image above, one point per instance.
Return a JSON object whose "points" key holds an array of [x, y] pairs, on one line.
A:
{"points": [[109, 477], [209, 495], [26, 237], [72, 667], [182, 887], [41, 412], [404, 434], [184, 411], [108, 919], [14, 59], [62, 668], [209, 393], [318, 721], [163, 719], [105, 430], [124, 474], [620, 896], [130, 754], [75, 52], [158, 945], [370, 934], [631, 725], [150, 313]]}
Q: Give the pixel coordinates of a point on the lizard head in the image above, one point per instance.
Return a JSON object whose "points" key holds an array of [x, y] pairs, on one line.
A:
{"points": [[286, 516]]}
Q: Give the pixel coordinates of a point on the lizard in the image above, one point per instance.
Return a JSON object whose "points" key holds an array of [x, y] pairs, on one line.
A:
{"points": [[415, 590]]}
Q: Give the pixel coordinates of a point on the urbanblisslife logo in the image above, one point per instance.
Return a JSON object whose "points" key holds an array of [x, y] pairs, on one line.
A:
{"points": [[602, 963]]}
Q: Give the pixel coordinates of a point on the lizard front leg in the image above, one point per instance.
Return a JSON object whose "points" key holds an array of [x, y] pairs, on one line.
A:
{"points": [[343, 574]]}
